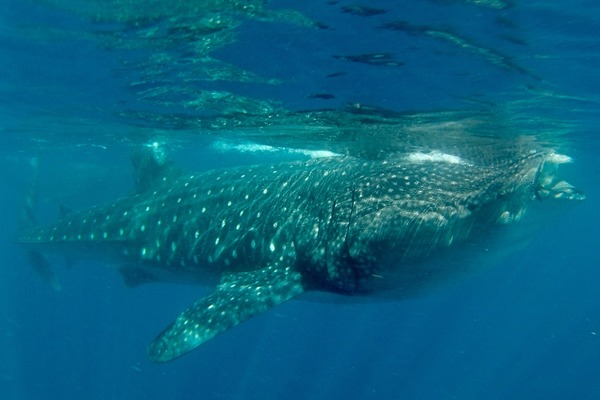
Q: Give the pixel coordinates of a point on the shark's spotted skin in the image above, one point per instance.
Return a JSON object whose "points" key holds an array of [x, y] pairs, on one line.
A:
{"points": [[237, 298], [268, 233]]}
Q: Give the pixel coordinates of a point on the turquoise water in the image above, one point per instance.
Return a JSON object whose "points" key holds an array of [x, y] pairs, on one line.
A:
{"points": [[221, 84]]}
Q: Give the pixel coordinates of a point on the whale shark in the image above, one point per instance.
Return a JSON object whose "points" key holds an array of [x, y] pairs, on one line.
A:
{"points": [[264, 234]]}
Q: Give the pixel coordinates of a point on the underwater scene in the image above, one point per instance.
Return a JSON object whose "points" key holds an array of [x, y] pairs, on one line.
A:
{"points": [[265, 199]]}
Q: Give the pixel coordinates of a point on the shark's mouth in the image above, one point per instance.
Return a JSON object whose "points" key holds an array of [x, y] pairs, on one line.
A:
{"points": [[548, 185]]}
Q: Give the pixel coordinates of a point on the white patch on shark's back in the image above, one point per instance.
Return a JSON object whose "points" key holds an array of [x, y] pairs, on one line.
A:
{"points": [[262, 148], [435, 156], [559, 158]]}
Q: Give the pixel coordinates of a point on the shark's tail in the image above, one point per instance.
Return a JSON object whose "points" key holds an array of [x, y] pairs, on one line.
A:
{"points": [[28, 221]]}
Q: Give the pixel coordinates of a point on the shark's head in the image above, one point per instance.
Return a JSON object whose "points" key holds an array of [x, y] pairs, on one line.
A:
{"points": [[548, 185], [428, 202], [534, 177]]}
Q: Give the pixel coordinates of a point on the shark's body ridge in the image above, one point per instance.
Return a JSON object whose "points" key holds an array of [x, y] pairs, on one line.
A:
{"points": [[268, 233]]}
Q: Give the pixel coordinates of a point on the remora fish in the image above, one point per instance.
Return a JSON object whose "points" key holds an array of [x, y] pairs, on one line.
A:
{"points": [[268, 233]]}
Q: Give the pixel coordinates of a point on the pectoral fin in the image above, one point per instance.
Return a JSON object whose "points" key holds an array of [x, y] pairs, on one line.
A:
{"points": [[42, 267], [135, 276], [238, 297]]}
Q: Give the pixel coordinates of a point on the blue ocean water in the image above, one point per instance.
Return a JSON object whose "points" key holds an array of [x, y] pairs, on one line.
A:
{"points": [[82, 83]]}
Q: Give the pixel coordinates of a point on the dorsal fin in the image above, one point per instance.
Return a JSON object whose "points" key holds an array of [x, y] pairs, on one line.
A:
{"points": [[64, 211], [150, 166]]}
